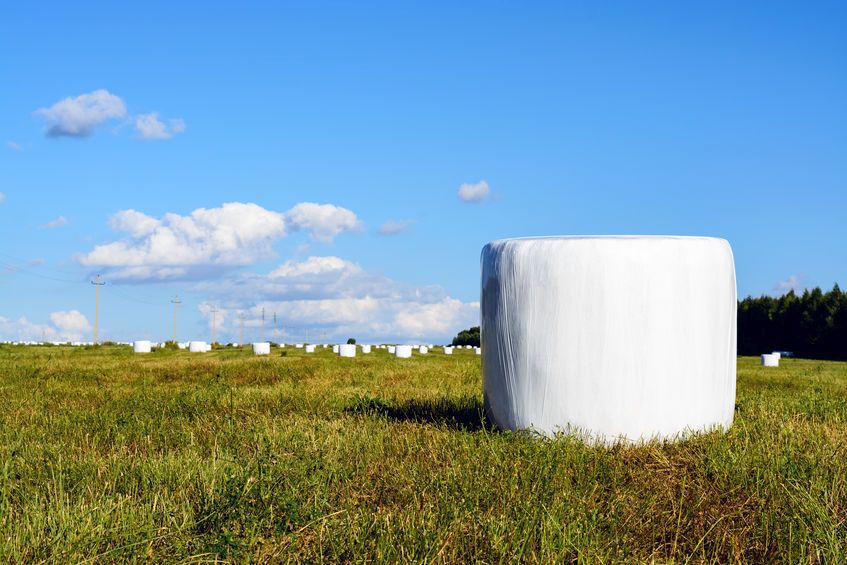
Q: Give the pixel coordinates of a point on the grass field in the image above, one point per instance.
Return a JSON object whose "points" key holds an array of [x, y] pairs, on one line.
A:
{"points": [[110, 456]]}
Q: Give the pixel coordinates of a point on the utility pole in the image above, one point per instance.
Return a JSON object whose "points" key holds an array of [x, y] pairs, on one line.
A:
{"points": [[276, 334], [214, 319], [263, 324], [176, 302], [241, 340], [97, 284]]}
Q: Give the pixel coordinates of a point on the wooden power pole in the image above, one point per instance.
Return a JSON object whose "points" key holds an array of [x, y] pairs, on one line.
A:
{"points": [[97, 284], [214, 319], [176, 302]]}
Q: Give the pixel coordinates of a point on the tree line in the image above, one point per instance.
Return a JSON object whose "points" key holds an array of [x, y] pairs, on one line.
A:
{"points": [[812, 325]]}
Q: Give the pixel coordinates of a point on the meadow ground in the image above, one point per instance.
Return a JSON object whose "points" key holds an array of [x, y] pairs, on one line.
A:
{"points": [[110, 456]]}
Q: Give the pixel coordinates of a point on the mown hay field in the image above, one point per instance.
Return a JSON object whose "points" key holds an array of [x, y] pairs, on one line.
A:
{"points": [[110, 456]]}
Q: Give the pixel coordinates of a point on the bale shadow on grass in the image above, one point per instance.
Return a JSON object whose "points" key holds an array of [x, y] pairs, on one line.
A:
{"points": [[464, 413]]}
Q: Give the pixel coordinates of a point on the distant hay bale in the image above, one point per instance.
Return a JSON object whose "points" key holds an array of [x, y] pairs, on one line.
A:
{"points": [[770, 360]]}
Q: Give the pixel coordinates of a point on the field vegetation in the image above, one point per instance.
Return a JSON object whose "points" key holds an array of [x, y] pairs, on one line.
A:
{"points": [[110, 456]]}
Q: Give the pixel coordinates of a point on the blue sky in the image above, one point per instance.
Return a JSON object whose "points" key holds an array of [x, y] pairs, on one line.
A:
{"points": [[656, 118]]}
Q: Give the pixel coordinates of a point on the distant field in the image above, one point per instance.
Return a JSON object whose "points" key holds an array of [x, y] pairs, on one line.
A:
{"points": [[109, 456]]}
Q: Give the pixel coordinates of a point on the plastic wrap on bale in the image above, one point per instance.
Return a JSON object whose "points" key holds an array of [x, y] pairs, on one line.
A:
{"points": [[616, 338]]}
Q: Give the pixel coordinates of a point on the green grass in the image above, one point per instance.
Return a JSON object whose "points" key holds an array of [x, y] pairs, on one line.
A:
{"points": [[110, 456]]}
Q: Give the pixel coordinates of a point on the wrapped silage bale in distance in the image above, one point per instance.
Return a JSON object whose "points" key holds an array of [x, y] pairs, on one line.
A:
{"points": [[366, 349], [403, 351], [347, 350], [262, 348], [310, 349], [298, 345], [777, 354], [477, 350], [448, 350], [182, 345], [197, 346], [142, 346], [281, 345], [335, 349], [619, 337], [423, 349], [392, 349], [770, 360]]}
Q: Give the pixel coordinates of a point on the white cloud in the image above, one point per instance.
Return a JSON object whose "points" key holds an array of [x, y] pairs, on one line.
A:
{"points": [[149, 126], [797, 283], [14, 146], [322, 221], [337, 296], [71, 322], [474, 192], [69, 325], [209, 239], [395, 227], [57, 223], [78, 117]]}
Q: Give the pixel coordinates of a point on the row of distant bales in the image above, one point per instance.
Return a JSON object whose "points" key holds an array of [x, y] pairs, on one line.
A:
{"points": [[264, 347], [343, 350]]}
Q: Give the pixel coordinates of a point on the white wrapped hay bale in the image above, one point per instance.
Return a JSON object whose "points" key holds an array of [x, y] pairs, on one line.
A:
{"points": [[262, 348], [770, 360], [403, 351], [142, 346], [448, 350], [335, 349], [619, 337], [197, 346], [392, 349], [347, 350], [366, 349], [423, 350], [298, 345], [777, 354], [477, 350], [310, 349]]}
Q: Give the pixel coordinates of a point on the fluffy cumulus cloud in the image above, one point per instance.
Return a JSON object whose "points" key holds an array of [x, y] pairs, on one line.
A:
{"points": [[336, 298], [322, 221], [69, 325], [149, 126], [395, 227], [208, 240], [79, 116], [476, 192]]}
